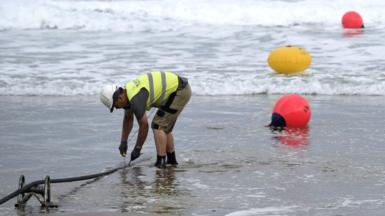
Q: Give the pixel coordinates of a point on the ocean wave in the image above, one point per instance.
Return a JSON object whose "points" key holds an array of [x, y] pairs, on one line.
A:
{"points": [[168, 15], [220, 60], [202, 85]]}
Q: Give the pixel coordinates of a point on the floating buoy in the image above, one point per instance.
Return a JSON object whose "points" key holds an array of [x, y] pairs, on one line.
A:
{"points": [[289, 60], [352, 19], [291, 110]]}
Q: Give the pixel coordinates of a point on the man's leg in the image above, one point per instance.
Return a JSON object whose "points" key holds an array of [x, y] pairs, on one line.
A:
{"points": [[164, 122], [164, 145], [170, 149], [170, 143], [160, 138]]}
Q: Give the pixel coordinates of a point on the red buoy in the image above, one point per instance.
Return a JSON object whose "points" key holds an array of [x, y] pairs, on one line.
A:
{"points": [[352, 19], [291, 110]]}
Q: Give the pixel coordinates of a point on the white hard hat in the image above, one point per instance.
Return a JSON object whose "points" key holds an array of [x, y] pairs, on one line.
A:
{"points": [[106, 96]]}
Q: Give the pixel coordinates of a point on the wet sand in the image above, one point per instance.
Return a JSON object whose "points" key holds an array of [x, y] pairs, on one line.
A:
{"points": [[229, 163]]}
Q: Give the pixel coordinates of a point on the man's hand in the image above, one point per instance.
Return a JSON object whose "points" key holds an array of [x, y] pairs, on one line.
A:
{"points": [[123, 148], [135, 153]]}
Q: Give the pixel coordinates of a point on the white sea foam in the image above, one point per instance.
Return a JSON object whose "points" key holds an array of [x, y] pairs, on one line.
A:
{"points": [[221, 46], [350, 202], [153, 15], [264, 211]]}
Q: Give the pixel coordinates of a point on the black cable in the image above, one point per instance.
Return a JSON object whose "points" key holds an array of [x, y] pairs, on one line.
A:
{"points": [[28, 187]]}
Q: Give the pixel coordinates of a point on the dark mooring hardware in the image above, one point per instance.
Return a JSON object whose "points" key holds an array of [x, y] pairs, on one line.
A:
{"points": [[41, 192]]}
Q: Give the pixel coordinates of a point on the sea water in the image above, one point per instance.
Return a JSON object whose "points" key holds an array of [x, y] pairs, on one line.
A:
{"points": [[60, 47], [56, 54], [229, 163]]}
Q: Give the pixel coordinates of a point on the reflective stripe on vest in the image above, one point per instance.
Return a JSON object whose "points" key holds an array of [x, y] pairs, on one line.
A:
{"points": [[164, 85], [151, 81]]}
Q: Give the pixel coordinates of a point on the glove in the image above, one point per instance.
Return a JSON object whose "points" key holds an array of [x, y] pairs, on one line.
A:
{"points": [[123, 148], [135, 153]]}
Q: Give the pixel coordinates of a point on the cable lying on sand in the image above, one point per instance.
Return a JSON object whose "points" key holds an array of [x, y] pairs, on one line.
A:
{"points": [[41, 189]]}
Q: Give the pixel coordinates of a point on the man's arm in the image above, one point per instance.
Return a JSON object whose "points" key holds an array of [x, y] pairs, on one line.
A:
{"points": [[138, 106], [126, 129], [127, 125], [142, 135], [143, 131]]}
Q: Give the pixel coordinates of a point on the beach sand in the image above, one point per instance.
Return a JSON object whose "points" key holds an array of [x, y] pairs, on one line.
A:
{"points": [[229, 162]]}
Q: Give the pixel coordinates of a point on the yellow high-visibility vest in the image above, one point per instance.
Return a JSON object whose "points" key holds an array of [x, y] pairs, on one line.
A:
{"points": [[158, 84]]}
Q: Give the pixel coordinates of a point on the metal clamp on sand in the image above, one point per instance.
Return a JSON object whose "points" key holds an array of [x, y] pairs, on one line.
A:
{"points": [[41, 192]]}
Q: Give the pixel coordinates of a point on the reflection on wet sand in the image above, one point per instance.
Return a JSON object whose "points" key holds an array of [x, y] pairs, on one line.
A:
{"points": [[132, 188], [165, 182], [294, 137], [150, 190], [349, 33]]}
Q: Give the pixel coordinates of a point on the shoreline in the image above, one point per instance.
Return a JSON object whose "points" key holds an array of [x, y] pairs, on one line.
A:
{"points": [[228, 161]]}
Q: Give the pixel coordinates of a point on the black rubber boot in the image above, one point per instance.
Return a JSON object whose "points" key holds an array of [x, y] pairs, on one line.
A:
{"points": [[171, 158], [160, 162]]}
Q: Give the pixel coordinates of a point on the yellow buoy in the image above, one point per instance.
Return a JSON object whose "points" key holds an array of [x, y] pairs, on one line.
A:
{"points": [[289, 60]]}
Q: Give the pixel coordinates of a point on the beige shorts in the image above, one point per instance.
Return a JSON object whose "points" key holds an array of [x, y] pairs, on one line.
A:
{"points": [[166, 116]]}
